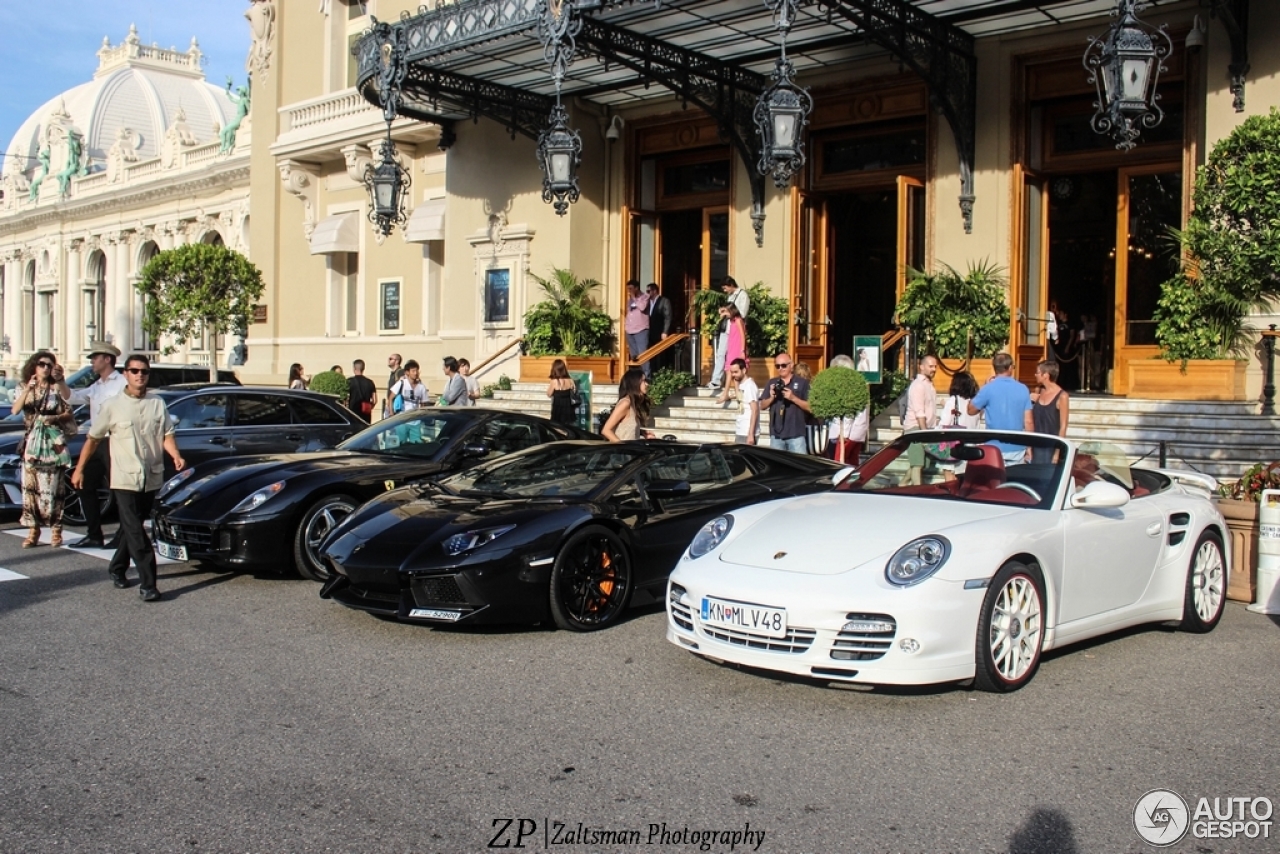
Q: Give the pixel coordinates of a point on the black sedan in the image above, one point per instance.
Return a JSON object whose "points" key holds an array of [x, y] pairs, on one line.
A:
{"points": [[212, 422], [274, 511], [565, 532]]}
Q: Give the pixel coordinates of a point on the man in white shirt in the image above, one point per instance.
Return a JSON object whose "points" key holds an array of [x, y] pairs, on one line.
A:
{"points": [[110, 383], [746, 426]]}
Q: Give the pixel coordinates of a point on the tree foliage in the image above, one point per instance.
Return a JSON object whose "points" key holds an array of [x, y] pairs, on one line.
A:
{"points": [[945, 308], [330, 382], [1232, 244], [567, 322], [838, 393], [198, 288], [768, 323]]}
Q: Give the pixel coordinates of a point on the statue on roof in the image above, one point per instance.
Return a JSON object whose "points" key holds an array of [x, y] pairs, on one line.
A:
{"points": [[240, 97], [77, 164], [42, 173]]}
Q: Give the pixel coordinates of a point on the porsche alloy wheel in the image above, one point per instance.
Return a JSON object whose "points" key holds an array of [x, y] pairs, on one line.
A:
{"points": [[1206, 586], [1011, 630], [317, 523], [591, 581]]}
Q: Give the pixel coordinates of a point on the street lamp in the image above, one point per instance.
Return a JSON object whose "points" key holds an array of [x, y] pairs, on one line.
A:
{"points": [[1125, 65], [559, 153], [782, 111], [388, 183]]}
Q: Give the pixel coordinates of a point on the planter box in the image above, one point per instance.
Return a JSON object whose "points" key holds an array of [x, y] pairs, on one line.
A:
{"points": [[537, 369], [1242, 526], [980, 368], [1205, 379]]}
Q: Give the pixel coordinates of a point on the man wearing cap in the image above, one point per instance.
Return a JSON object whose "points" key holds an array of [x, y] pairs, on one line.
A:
{"points": [[110, 382]]}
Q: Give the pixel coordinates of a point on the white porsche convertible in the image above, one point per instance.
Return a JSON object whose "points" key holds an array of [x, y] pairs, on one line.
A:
{"points": [[952, 555]]}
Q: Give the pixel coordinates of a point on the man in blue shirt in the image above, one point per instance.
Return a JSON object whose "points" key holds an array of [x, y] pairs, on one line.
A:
{"points": [[1007, 405]]}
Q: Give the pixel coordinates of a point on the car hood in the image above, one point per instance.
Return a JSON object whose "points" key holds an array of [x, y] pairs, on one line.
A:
{"points": [[834, 532]]}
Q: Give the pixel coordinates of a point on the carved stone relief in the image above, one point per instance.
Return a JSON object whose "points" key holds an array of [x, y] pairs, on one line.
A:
{"points": [[261, 15]]}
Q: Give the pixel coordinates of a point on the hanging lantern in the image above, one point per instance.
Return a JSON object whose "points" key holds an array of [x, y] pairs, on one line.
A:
{"points": [[781, 116], [388, 185], [559, 153], [1125, 65]]}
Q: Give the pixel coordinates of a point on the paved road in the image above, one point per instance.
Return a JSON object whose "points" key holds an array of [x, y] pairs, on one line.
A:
{"points": [[244, 714]]}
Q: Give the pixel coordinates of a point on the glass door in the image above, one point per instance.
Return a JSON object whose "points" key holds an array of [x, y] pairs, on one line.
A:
{"points": [[911, 213], [809, 292], [1029, 291]]}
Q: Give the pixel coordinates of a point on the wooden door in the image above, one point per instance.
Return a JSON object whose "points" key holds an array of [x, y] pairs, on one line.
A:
{"points": [[811, 284], [1029, 291], [911, 214]]}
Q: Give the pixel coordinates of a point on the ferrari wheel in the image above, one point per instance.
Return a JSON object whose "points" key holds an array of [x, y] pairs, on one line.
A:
{"points": [[317, 523], [591, 581], [1011, 629], [1206, 586], [73, 507]]}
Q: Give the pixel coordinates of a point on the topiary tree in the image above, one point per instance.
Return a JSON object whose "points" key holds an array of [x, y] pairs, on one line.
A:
{"points": [[330, 382], [948, 310], [198, 289], [1231, 245], [838, 393]]}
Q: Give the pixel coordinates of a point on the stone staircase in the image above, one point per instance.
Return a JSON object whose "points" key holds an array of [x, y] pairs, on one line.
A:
{"points": [[1217, 438]]}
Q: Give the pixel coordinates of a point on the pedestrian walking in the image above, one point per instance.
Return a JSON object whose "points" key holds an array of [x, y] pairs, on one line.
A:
{"points": [[409, 392], [46, 420], [744, 392], [473, 384], [720, 348], [110, 382], [630, 417], [395, 372], [922, 414], [141, 433], [736, 345], [637, 323], [455, 387], [361, 392], [737, 297], [560, 389], [659, 322], [787, 397], [297, 379], [1006, 405]]}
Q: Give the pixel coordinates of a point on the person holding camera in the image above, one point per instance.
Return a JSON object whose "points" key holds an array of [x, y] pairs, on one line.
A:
{"points": [[637, 323], [110, 382], [787, 397]]}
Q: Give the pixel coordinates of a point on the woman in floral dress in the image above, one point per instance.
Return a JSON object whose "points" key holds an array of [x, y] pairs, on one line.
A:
{"points": [[44, 447]]}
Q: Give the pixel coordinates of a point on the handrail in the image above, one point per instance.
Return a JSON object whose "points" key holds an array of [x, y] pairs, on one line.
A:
{"points": [[661, 347], [893, 336], [480, 367]]}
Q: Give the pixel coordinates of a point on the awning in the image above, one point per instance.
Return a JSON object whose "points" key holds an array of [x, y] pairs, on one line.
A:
{"points": [[426, 222], [337, 233]]}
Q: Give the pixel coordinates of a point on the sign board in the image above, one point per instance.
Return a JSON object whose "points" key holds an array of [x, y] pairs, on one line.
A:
{"points": [[868, 357], [582, 379], [259, 314]]}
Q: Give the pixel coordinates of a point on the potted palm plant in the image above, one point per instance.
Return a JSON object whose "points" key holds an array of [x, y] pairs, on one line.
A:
{"points": [[963, 319], [569, 325]]}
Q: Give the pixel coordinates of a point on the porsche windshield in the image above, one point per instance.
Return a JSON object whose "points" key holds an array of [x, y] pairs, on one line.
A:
{"points": [[555, 470], [420, 433], [1020, 469]]}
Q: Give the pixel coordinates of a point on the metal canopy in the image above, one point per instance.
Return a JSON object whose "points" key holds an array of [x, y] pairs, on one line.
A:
{"points": [[473, 58]]}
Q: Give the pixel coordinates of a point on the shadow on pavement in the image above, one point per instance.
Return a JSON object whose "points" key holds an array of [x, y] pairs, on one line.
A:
{"points": [[1046, 831]]}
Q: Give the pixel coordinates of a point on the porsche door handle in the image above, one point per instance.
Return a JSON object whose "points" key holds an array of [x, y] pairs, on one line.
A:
{"points": [[1154, 529]]}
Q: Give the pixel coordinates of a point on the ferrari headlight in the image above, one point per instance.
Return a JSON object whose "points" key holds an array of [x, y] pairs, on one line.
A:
{"points": [[174, 482], [470, 540], [258, 498], [917, 560], [711, 536]]}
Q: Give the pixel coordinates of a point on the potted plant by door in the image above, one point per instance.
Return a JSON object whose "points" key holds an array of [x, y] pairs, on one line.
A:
{"points": [[568, 325], [1239, 501], [837, 393], [963, 319], [1231, 266]]}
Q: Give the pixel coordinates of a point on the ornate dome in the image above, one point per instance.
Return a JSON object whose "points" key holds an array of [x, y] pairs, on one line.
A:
{"points": [[137, 93]]}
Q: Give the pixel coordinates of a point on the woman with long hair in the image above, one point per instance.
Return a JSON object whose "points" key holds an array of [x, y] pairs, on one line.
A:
{"points": [[560, 390], [955, 412], [631, 414], [44, 447], [737, 346], [297, 379]]}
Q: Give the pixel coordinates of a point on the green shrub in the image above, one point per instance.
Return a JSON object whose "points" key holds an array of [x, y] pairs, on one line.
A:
{"points": [[838, 393], [947, 310], [768, 322], [890, 388], [666, 382], [567, 322], [330, 382], [503, 384]]}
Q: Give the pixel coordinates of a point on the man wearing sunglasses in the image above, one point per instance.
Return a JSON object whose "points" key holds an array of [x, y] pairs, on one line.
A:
{"points": [[110, 382], [141, 433], [787, 397]]}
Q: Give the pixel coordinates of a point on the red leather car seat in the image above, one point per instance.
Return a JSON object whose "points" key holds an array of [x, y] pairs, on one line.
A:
{"points": [[986, 473]]}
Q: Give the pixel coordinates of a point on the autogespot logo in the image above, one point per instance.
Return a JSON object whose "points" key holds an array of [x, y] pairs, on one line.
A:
{"points": [[1161, 818]]}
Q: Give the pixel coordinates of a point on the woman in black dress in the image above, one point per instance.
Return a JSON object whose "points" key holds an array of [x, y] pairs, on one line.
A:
{"points": [[560, 390]]}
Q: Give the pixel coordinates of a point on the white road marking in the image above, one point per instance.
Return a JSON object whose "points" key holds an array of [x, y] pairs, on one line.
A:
{"points": [[9, 575], [71, 536]]}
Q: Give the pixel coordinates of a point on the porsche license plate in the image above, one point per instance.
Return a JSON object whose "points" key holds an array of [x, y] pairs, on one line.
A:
{"points": [[741, 617], [171, 551]]}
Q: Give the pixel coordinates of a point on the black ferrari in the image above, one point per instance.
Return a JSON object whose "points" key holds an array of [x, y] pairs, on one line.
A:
{"points": [[564, 532], [273, 511]]}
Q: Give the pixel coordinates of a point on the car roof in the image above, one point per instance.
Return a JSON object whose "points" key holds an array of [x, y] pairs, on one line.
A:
{"points": [[231, 388]]}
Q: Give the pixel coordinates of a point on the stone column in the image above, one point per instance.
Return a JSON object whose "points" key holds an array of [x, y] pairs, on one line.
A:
{"points": [[117, 319], [12, 322], [72, 297]]}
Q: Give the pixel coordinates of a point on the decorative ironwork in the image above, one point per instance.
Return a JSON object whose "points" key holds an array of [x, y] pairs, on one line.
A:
{"points": [[559, 153], [782, 111], [942, 55], [1125, 66], [558, 27], [391, 66], [388, 183], [1234, 15]]}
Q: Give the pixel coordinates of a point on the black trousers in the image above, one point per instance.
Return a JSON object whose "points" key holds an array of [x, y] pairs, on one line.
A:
{"points": [[96, 471], [134, 509]]}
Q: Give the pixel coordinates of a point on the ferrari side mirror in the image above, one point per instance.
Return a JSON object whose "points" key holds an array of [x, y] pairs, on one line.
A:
{"points": [[474, 449]]}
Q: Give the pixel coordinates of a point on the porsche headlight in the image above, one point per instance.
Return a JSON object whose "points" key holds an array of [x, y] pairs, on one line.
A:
{"points": [[470, 540], [711, 536], [258, 498], [917, 560], [174, 482]]}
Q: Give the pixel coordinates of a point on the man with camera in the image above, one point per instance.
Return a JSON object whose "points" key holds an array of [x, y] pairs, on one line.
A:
{"points": [[787, 397]]}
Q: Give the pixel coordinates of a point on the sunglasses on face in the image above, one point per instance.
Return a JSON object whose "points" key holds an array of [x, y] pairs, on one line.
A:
{"points": [[138, 371], [782, 364], [45, 365]]}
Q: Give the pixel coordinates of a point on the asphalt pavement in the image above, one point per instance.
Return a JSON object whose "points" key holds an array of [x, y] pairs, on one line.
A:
{"points": [[245, 714]]}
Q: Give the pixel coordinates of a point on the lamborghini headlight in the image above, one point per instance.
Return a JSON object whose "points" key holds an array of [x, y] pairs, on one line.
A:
{"points": [[917, 560], [711, 536], [471, 540]]}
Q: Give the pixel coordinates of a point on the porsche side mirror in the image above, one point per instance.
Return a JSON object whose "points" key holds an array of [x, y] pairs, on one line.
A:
{"points": [[474, 449], [1100, 495], [843, 475], [661, 489]]}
